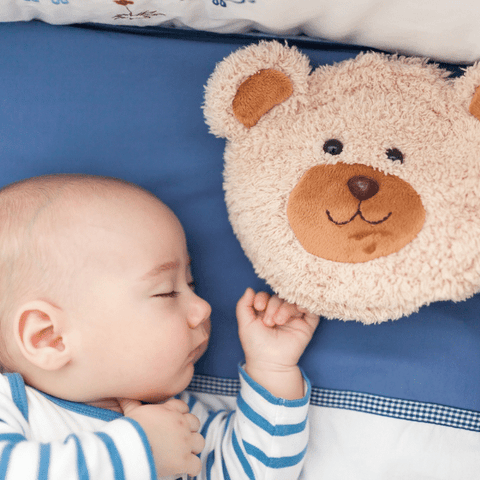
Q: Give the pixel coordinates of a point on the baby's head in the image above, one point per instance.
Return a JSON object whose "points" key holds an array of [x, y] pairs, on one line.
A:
{"points": [[96, 294]]}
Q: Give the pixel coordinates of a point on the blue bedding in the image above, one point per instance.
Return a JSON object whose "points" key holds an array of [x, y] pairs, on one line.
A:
{"points": [[129, 106], [98, 101]]}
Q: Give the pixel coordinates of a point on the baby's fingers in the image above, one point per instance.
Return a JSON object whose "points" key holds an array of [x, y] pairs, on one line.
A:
{"points": [[194, 466], [175, 404], [261, 301], [198, 443], [251, 306], [245, 308], [193, 422], [280, 313], [311, 319], [127, 405]]}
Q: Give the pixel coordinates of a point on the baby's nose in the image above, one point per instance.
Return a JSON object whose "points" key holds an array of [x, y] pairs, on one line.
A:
{"points": [[200, 312]]}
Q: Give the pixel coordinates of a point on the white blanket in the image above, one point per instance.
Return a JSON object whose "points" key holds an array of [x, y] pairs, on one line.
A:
{"points": [[356, 436], [443, 30]]}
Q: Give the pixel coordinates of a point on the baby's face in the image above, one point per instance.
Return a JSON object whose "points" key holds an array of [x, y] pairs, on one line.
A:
{"points": [[141, 327]]}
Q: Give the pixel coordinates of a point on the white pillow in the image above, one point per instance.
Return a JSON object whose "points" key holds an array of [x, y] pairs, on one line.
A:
{"points": [[444, 30]]}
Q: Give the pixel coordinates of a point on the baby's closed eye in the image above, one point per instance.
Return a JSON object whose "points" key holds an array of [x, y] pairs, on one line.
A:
{"points": [[173, 293]]}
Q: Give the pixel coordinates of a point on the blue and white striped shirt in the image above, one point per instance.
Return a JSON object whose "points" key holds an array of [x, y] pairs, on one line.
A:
{"points": [[46, 438]]}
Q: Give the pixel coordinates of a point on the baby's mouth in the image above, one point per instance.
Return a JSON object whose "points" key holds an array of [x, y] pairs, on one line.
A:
{"points": [[199, 351]]}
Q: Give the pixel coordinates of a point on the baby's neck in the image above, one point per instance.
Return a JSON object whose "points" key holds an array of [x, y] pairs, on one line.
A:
{"points": [[107, 403]]}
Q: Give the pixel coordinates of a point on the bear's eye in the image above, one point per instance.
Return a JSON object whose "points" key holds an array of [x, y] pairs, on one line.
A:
{"points": [[333, 146], [394, 154]]}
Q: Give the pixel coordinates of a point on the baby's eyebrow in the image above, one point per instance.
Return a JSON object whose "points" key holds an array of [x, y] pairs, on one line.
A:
{"points": [[158, 269]]}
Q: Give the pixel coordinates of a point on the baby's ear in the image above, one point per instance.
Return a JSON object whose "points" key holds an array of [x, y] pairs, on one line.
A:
{"points": [[250, 83], [467, 90], [38, 327]]}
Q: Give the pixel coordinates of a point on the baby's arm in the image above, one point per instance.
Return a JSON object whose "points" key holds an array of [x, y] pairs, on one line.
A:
{"points": [[264, 438], [274, 335], [120, 450], [155, 440]]}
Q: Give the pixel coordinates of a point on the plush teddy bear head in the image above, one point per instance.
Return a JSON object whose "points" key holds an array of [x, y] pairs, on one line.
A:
{"points": [[353, 189]]}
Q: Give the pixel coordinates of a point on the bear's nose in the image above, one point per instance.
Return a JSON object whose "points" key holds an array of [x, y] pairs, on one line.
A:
{"points": [[363, 188]]}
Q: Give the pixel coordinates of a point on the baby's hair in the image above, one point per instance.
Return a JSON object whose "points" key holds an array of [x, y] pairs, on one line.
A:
{"points": [[30, 261]]}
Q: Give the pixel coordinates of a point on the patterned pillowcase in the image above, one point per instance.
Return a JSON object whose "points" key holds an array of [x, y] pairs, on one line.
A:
{"points": [[444, 30]]}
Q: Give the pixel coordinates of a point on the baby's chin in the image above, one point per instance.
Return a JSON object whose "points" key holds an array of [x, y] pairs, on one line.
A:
{"points": [[163, 396], [187, 375]]}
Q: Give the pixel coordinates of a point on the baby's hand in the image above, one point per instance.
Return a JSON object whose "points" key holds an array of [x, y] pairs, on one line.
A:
{"points": [[172, 433], [273, 333]]}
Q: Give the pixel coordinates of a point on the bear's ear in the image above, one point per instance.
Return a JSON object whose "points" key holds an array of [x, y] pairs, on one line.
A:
{"points": [[258, 94], [250, 82], [467, 90]]}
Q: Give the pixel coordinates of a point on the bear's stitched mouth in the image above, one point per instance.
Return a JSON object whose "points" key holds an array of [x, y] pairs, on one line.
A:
{"points": [[358, 213]]}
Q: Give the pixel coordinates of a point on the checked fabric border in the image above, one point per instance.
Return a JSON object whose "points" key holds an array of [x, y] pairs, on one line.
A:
{"points": [[360, 402]]}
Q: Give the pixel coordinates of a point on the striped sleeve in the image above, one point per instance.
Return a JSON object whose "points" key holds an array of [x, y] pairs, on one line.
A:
{"points": [[117, 451], [264, 438]]}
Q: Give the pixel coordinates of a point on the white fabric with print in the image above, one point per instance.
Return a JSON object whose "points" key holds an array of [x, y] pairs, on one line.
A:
{"points": [[443, 30]]}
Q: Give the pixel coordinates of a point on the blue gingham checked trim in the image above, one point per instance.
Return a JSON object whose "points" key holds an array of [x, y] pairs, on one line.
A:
{"points": [[214, 385], [360, 402]]}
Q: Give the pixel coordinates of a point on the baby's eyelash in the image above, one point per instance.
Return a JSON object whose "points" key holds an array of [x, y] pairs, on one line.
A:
{"points": [[173, 293]]}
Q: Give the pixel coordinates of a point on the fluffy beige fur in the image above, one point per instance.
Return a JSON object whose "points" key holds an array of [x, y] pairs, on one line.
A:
{"points": [[371, 104]]}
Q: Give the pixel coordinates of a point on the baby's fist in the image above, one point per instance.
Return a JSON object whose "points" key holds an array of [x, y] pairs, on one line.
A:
{"points": [[272, 329], [172, 433]]}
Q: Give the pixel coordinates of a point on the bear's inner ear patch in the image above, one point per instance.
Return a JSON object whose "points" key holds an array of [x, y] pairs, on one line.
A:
{"points": [[259, 93], [475, 104]]}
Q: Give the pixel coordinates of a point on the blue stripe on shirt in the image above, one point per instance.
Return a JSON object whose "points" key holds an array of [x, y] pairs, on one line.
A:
{"points": [[227, 421], [226, 476], [81, 463], [146, 446], [271, 398], [44, 461], [83, 408], [5, 459], [241, 457], [19, 394], [117, 464], [191, 402], [259, 421], [209, 464], [273, 462], [211, 416], [12, 437]]}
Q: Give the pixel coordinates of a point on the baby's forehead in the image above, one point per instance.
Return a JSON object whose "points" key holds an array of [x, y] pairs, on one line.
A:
{"points": [[69, 207], [113, 229], [56, 194], [113, 209], [98, 195]]}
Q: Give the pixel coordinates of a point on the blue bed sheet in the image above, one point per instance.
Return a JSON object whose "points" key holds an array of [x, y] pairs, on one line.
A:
{"points": [[127, 105]]}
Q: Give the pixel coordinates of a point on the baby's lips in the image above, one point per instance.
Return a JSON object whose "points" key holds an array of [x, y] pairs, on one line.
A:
{"points": [[199, 351]]}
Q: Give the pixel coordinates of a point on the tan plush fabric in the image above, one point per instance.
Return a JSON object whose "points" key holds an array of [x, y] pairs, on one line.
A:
{"points": [[357, 196]]}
